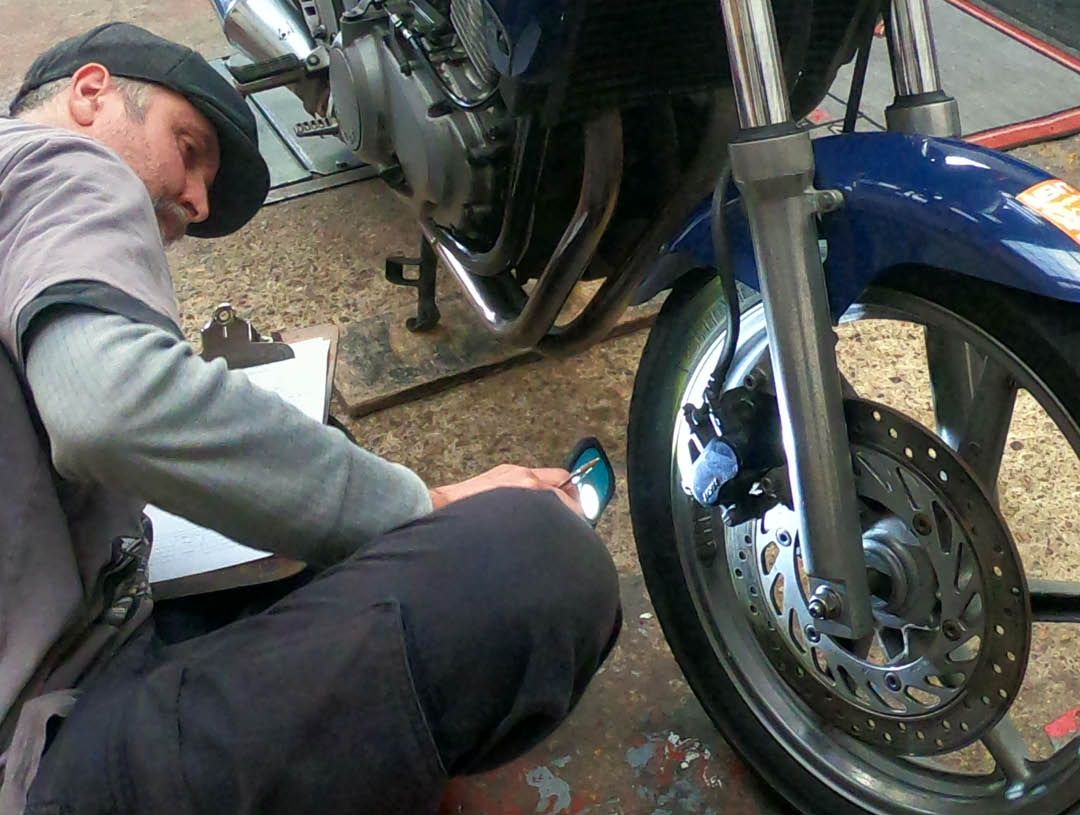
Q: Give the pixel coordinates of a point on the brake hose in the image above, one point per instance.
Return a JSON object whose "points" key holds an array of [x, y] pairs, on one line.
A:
{"points": [[726, 270]]}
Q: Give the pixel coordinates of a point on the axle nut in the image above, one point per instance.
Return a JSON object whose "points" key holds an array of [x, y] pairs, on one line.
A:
{"points": [[825, 604]]}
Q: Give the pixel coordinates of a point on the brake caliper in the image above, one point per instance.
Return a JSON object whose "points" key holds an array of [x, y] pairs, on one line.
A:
{"points": [[736, 453]]}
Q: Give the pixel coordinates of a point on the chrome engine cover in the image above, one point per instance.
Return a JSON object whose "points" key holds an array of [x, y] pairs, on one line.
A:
{"points": [[397, 116]]}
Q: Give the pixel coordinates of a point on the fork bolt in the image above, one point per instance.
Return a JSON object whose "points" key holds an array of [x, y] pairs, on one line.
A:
{"points": [[825, 604]]}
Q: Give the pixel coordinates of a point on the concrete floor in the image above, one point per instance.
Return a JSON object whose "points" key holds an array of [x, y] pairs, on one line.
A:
{"points": [[639, 742]]}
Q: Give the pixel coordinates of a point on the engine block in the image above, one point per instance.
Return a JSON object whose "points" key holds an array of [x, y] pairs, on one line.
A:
{"points": [[447, 162]]}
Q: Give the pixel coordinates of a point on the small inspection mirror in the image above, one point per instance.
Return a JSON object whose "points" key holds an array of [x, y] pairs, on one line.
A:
{"points": [[591, 472]]}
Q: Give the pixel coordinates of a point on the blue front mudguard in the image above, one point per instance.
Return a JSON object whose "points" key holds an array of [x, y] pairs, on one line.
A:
{"points": [[909, 200]]}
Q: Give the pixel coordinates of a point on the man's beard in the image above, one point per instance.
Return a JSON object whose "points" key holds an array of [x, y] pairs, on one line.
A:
{"points": [[172, 220]]}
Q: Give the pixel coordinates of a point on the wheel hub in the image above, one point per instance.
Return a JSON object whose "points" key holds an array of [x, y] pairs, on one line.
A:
{"points": [[901, 574], [952, 616]]}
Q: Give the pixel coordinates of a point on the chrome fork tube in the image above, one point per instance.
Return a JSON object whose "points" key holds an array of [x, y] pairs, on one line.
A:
{"points": [[760, 93], [773, 164], [915, 68], [921, 106]]}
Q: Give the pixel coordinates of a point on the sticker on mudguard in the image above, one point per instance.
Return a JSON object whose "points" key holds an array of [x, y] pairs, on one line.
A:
{"points": [[1058, 202]]}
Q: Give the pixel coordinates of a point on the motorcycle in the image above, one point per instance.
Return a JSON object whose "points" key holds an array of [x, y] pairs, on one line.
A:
{"points": [[836, 580]]}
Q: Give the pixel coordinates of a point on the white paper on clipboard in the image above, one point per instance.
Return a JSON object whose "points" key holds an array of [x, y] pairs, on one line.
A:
{"points": [[182, 548]]}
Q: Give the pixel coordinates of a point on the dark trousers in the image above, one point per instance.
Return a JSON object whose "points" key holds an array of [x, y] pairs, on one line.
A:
{"points": [[446, 647]]}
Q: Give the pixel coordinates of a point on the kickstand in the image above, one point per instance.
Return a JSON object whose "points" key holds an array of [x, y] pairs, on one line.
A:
{"points": [[427, 312]]}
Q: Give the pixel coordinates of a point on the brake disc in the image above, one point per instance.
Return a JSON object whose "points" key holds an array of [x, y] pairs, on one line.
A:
{"points": [[951, 607]]}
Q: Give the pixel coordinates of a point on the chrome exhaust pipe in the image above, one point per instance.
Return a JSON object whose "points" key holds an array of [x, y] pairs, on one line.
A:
{"points": [[264, 30], [525, 324]]}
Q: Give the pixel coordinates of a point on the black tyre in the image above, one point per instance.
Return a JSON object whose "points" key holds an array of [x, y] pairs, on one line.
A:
{"points": [[814, 764]]}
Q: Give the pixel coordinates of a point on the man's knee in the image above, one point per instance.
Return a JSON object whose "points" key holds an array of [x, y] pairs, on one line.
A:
{"points": [[532, 614], [547, 560], [493, 556], [548, 591]]}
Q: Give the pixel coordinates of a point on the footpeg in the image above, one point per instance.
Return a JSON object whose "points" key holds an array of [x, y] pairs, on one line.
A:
{"points": [[317, 127], [427, 312], [273, 73]]}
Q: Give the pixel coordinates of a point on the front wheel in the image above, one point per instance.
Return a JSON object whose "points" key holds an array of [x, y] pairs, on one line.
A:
{"points": [[934, 713]]}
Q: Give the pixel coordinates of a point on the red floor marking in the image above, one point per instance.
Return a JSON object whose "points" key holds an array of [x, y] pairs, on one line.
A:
{"points": [[1030, 40], [1032, 131], [1064, 726]]}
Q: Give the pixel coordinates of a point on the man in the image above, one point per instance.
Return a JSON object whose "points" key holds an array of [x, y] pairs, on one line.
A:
{"points": [[438, 632]]}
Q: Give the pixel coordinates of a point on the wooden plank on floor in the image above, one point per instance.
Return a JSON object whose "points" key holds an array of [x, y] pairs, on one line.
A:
{"points": [[381, 364]]}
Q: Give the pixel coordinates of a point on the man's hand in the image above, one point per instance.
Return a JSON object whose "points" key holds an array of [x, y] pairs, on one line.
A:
{"points": [[510, 475]]}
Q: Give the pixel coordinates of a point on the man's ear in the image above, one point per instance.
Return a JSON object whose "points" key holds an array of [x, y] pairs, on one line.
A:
{"points": [[88, 85]]}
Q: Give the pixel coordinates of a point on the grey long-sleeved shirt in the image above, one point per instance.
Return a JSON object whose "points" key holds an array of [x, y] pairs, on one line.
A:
{"points": [[129, 406], [132, 414]]}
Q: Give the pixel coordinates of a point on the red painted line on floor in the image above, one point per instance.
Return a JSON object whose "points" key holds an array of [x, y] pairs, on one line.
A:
{"points": [[1030, 40], [1032, 131], [1063, 726]]}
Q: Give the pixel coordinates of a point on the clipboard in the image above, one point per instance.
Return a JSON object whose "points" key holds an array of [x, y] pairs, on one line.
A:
{"points": [[236, 340], [330, 332], [183, 548]]}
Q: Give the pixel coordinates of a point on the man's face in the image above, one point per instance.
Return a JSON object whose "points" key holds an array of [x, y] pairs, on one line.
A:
{"points": [[173, 149]]}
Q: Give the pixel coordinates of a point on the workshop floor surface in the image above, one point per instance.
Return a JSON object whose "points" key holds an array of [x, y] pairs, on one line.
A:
{"points": [[639, 742]]}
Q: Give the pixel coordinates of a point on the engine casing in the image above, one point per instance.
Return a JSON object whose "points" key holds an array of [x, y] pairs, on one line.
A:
{"points": [[396, 116]]}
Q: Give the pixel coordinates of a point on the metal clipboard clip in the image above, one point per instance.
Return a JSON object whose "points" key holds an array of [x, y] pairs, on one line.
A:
{"points": [[235, 340]]}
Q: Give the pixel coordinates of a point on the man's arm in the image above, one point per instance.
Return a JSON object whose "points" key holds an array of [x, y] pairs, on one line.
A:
{"points": [[128, 405]]}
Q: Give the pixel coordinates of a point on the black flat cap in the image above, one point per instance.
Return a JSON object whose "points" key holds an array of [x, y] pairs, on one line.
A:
{"points": [[129, 51]]}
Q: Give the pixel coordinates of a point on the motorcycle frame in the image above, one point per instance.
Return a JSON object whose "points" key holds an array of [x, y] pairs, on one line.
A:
{"points": [[911, 198]]}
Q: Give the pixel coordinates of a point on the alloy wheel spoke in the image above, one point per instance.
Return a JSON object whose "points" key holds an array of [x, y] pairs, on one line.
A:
{"points": [[1062, 761], [1006, 744], [974, 398], [1055, 601]]}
